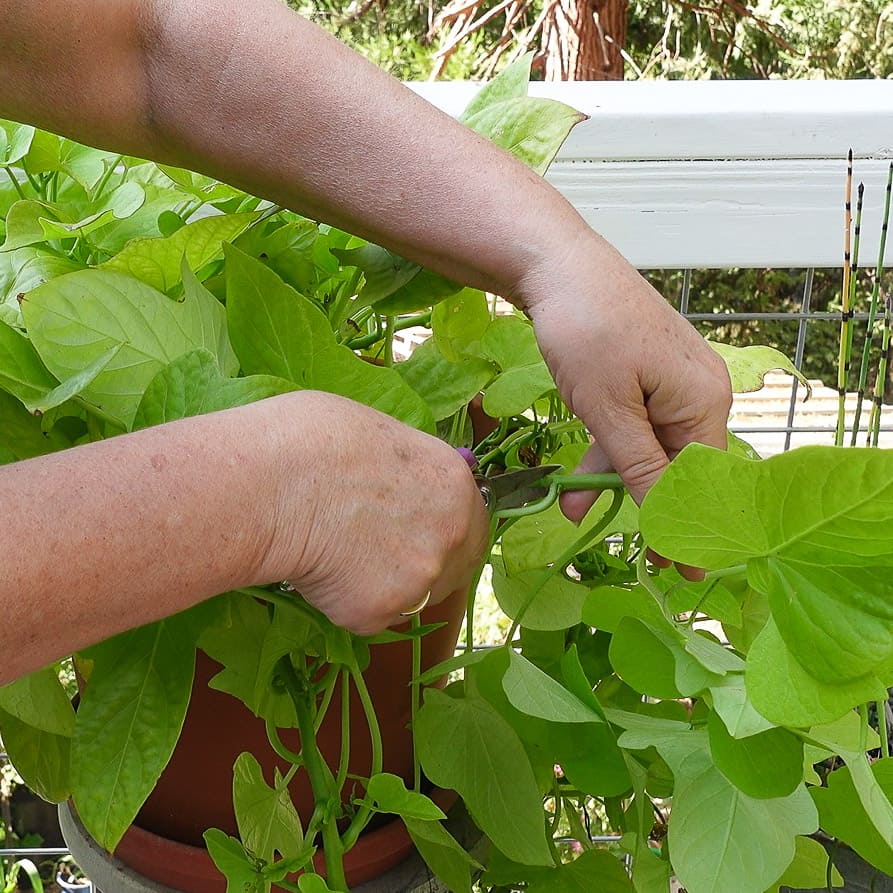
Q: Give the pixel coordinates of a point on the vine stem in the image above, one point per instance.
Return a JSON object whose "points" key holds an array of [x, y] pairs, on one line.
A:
{"points": [[15, 182], [562, 562], [361, 818], [321, 781], [416, 699]]}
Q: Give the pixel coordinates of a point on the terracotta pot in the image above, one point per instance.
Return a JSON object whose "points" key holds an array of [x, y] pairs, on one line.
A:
{"points": [[189, 868], [194, 792]]}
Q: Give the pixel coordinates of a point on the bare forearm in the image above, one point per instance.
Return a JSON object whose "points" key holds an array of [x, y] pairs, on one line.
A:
{"points": [[268, 99], [255, 95], [115, 534]]}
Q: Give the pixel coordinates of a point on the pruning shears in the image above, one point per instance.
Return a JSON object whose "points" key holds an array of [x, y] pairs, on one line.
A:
{"points": [[512, 492]]}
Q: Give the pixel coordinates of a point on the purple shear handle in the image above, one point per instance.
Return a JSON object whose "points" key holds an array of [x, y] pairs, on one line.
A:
{"points": [[468, 456]]}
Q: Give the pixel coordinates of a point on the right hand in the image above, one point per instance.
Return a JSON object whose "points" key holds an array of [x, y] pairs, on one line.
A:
{"points": [[370, 513]]}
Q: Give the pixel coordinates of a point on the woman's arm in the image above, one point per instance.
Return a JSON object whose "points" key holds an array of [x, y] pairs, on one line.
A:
{"points": [[111, 535]]}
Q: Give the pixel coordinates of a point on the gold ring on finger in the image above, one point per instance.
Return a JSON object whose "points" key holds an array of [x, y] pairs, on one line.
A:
{"points": [[417, 609]]}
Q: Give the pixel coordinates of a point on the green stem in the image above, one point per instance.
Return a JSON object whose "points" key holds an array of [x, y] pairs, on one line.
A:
{"points": [[328, 693], [416, 700], [321, 781], [279, 748], [105, 177], [863, 727], [576, 824], [344, 765], [562, 562], [15, 182], [587, 481], [519, 438], [389, 341], [495, 531], [644, 578], [34, 184], [882, 728], [363, 814]]}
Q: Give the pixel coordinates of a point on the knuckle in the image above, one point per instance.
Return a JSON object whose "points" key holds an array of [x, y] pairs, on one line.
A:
{"points": [[642, 470]]}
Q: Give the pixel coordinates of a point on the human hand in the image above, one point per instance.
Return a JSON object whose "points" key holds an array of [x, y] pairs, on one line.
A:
{"points": [[637, 373], [371, 514]]}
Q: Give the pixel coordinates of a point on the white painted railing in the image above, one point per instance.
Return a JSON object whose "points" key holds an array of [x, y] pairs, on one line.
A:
{"points": [[693, 174]]}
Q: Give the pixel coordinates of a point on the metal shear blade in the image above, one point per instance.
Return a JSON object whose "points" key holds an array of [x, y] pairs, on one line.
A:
{"points": [[514, 488]]}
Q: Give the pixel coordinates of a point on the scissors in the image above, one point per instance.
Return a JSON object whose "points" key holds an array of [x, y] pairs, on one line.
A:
{"points": [[514, 489]]}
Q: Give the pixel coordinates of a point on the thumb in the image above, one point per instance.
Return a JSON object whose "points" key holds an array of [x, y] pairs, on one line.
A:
{"points": [[575, 503]]}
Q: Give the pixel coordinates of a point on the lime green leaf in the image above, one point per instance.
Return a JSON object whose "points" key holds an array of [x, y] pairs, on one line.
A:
{"points": [[42, 759], [21, 434], [607, 606], [22, 373], [211, 321], [735, 709], [84, 164], [812, 526], [157, 262], [517, 389], [531, 128], [383, 271], [39, 700], [445, 386], [535, 541], [593, 870], [783, 692], [464, 744], [76, 319], [198, 185], [266, 817], [535, 693], [239, 647], [449, 861], [274, 330], [459, 323], [192, 385], [424, 290], [128, 722], [23, 223], [73, 386], [339, 371], [390, 795], [509, 341], [768, 764], [15, 141], [809, 870], [552, 601], [122, 203], [241, 872], [313, 883], [651, 874], [842, 813], [451, 665], [654, 660], [748, 366], [24, 269], [277, 331], [510, 83], [720, 838]]}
